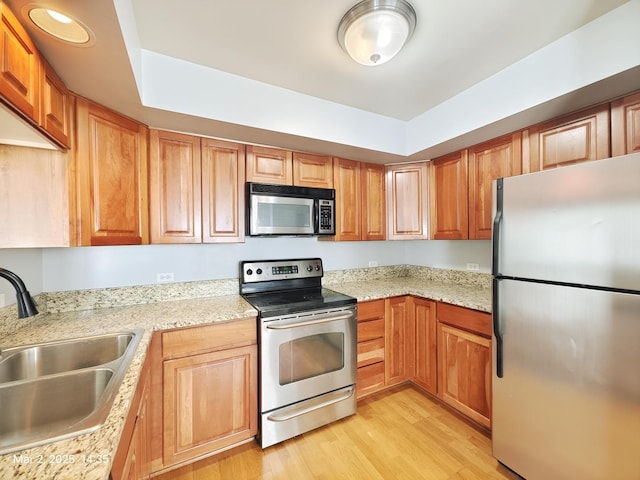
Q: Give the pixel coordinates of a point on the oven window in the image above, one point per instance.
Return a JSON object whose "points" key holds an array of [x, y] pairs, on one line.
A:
{"points": [[311, 356]]}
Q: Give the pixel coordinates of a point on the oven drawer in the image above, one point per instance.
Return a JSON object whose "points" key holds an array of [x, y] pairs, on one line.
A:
{"points": [[370, 330], [370, 352]]}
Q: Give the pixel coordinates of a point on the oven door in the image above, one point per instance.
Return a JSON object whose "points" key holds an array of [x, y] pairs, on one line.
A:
{"points": [[306, 355]]}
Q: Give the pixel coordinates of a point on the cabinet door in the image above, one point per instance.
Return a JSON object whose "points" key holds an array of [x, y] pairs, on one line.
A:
{"points": [[407, 204], [424, 314], [464, 380], [174, 188], [574, 138], [374, 224], [55, 106], [222, 191], [449, 197], [210, 402], [19, 66], [269, 165], [312, 170], [399, 351], [625, 125], [348, 199], [498, 158], [111, 162]]}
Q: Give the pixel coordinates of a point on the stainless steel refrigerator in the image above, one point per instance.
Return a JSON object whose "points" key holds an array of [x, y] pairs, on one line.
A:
{"points": [[566, 313]]}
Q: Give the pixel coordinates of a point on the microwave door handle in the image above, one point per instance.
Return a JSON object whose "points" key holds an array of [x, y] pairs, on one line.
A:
{"points": [[316, 213]]}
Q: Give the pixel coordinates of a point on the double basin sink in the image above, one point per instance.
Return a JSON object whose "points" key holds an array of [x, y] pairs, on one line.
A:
{"points": [[57, 390]]}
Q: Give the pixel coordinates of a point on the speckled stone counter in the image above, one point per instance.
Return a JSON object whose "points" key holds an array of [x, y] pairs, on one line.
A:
{"points": [[161, 307], [470, 290], [89, 456]]}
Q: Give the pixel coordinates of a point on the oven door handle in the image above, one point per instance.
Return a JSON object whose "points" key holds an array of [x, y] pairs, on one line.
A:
{"points": [[283, 417], [328, 319]]}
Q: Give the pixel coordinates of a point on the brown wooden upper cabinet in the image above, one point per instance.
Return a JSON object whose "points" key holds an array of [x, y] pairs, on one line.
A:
{"points": [[449, 197], [407, 201], [360, 201], [111, 163], [574, 138], [20, 66], [283, 167], [625, 125], [55, 106], [348, 186], [269, 165], [311, 170], [28, 84], [497, 158], [196, 189]]}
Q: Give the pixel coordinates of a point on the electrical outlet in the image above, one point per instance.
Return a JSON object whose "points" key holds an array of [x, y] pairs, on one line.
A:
{"points": [[164, 277], [474, 267], [373, 263]]}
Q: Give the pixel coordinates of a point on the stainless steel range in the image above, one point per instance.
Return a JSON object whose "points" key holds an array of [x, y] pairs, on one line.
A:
{"points": [[307, 337]]}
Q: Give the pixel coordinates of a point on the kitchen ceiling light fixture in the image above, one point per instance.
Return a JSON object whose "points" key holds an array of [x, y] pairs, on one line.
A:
{"points": [[372, 32], [60, 26]]}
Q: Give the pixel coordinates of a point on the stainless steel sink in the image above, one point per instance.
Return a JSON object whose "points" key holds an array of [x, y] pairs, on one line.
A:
{"points": [[38, 360], [57, 390]]}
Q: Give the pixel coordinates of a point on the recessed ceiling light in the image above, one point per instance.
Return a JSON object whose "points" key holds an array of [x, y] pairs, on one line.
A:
{"points": [[61, 26]]}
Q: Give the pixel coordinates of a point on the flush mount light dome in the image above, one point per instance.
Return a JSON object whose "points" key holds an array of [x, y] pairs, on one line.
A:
{"points": [[61, 26], [372, 32]]}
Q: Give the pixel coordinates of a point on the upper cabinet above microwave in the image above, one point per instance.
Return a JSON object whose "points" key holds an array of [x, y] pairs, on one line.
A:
{"points": [[283, 167]]}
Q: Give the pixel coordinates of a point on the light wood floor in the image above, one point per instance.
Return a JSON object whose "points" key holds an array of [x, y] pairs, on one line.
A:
{"points": [[398, 434]]}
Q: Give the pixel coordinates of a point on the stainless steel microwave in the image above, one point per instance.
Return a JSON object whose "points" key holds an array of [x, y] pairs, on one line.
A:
{"points": [[289, 210]]}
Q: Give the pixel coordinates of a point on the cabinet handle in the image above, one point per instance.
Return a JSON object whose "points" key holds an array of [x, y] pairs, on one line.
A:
{"points": [[332, 318], [301, 410]]}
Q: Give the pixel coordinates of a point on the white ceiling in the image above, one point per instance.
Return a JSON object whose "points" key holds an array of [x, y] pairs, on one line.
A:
{"points": [[287, 51]]}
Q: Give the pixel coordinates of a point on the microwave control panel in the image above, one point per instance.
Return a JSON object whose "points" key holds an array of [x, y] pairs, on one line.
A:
{"points": [[326, 217]]}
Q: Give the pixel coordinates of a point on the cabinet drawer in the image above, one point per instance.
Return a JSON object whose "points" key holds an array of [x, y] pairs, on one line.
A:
{"points": [[370, 378], [370, 352], [370, 330], [209, 338], [370, 310], [465, 318]]}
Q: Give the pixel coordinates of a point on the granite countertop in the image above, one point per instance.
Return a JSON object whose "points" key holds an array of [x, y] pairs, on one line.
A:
{"points": [[469, 296], [89, 456]]}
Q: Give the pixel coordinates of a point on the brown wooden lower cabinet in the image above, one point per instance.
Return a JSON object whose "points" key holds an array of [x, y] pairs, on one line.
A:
{"points": [[132, 458], [464, 361], [442, 348], [204, 383]]}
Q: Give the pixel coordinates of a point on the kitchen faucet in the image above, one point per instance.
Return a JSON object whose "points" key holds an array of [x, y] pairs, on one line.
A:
{"points": [[26, 305]]}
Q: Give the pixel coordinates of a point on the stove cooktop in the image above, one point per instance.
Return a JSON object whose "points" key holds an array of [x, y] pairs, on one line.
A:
{"points": [[288, 302]]}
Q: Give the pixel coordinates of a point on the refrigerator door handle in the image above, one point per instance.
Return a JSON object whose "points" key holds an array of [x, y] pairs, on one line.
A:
{"points": [[497, 225], [496, 329]]}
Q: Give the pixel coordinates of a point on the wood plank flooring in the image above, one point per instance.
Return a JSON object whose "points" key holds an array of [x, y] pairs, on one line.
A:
{"points": [[397, 434]]}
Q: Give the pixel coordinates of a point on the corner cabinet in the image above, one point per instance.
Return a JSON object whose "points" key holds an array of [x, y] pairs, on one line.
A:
{"points": [[111, 164], [399, 348], [407, 201], [425, 344], [210, 383], [464, 361]]}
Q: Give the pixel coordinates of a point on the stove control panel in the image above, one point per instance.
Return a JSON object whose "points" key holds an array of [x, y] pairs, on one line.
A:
{"points": [[274, 270]]}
